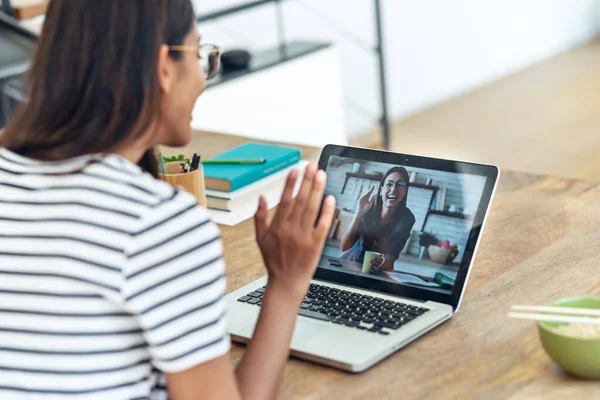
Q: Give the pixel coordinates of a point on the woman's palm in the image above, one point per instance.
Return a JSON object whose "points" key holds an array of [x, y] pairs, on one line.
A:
{"points": [[365, 202]]}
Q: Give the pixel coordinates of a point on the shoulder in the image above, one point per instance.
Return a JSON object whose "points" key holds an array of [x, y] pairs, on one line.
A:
{"points": [[134, 184]]}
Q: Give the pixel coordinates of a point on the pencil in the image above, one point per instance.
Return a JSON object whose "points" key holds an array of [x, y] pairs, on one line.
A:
{"points": [[236, 162]]}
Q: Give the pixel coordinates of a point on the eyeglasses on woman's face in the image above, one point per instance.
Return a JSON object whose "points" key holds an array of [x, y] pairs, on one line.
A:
{"points": [[389, 184], [208, 54]]}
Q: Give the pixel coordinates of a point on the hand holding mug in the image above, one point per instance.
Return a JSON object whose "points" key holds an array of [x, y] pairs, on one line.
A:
{"points": [[375, 265], [372, 262]]}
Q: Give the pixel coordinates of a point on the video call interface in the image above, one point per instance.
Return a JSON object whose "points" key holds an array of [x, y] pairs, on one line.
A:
{"points": [[404, 225]]}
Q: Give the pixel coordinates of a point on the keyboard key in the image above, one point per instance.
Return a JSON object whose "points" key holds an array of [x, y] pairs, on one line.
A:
{"points": [[388, 325], [315, 315], [374, 329], [423, 309], [254, 294], [305, 305], [244, 299], [362, 328], [261, 290], [254, 301], [383, 333]]}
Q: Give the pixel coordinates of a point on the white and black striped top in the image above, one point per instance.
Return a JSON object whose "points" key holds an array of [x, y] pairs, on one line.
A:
{"points": [[107, 278]]}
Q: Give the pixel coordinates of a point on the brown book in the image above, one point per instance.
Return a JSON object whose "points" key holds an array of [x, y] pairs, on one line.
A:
{"points": [[25, 9]]}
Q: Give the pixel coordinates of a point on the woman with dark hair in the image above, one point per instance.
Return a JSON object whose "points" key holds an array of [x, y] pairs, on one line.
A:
{"points": [[382, 223], [112, 282]]}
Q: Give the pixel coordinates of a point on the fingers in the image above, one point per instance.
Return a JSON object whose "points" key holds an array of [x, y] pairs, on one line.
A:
{"points": [[260, 218], [327, 213], [368, 193], [314, 199], [304, 192], [285, 205]]}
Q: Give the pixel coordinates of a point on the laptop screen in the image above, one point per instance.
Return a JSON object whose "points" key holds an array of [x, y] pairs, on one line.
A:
{"points": [[401, 224]]}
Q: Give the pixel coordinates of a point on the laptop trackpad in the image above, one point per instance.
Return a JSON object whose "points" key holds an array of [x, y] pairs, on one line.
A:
{"points": [[305, 330]]}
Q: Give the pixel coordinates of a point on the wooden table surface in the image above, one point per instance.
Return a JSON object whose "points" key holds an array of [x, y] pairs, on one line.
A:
{"points": [[541, 243]]}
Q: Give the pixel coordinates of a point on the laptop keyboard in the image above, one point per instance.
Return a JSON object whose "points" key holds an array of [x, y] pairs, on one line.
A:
{"points": [[343, 307]]}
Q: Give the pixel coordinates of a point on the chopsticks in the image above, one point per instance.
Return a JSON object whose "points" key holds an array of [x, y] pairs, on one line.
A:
{"points": [[556, 314]]}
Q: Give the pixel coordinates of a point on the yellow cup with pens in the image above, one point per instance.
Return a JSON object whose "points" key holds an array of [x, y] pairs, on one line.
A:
{"points": [[185, 173]]}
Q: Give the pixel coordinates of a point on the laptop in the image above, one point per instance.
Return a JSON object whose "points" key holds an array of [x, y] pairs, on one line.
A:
{"points": [[399, 272]]}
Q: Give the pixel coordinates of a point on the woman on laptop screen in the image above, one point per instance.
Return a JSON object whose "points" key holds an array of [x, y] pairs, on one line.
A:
{"points": [[382, 223]]}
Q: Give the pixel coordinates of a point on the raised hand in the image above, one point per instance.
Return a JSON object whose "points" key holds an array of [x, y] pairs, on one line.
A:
{"points": [[292, 242], [365, 202]]}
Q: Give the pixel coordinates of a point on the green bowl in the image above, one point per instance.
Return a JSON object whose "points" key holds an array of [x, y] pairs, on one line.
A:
{"points": [[577, 356]]}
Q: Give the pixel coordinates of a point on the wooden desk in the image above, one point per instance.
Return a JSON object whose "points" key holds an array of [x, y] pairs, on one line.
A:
{"points": [[541, 243]]}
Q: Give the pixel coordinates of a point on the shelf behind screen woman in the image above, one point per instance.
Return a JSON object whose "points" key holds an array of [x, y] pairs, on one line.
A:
{"points": [[426, 239]]}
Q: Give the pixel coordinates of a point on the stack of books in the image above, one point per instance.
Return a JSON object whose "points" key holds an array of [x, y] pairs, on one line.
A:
{"points": [[236, 179]]}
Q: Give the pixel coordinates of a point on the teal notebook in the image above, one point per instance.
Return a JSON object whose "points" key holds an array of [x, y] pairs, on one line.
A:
{"points": [[228, 178]]}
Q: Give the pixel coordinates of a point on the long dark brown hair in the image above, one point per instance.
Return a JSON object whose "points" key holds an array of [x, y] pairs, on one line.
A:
{"points": [[93, 82]]}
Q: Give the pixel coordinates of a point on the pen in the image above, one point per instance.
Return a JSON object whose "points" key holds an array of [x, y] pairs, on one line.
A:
{"points": [[195, 162], [181, 168], [187, 167], [236, 162]]}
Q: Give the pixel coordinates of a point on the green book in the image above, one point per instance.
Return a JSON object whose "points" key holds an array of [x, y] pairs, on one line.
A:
{"points": [[230, 177]]}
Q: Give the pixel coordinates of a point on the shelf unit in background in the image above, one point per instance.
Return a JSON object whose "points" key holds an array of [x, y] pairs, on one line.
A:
{"points": [[24, 9], [379, 48], [457, 215]]}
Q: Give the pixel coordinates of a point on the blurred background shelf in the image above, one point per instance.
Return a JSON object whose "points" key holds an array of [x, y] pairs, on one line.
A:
{"points": [[271, 58], [450, 214], [377, 49], [24, 9]]}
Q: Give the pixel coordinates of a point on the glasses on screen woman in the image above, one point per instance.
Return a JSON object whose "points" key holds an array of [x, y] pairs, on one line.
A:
{"points": [[399, 184], [208, 54]]}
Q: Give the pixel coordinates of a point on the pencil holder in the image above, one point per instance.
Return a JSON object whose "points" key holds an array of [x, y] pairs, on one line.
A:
{"points": [[192, 182]]}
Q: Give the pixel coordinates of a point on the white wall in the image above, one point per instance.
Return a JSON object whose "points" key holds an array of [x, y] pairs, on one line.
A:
{"points": [[437, 49], [271, 104]]}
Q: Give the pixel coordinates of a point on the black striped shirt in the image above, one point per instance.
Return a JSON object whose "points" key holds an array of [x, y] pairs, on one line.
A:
{"points": [[108, 279]]}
